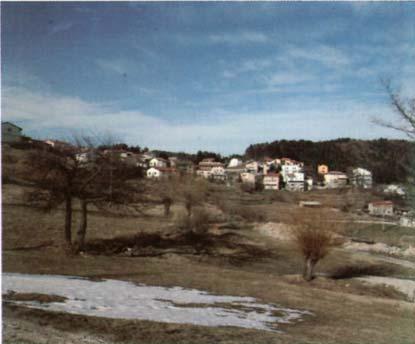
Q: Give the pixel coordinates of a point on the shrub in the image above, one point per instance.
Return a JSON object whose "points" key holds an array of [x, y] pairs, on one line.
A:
{"points": [[198, 222], [314, 233]]}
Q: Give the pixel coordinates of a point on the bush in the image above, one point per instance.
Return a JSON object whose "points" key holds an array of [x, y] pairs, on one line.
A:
{"points": [[239, 212], [198, 222]]}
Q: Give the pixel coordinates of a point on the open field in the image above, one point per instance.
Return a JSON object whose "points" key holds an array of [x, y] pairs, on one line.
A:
{"points": [[235, 257]]}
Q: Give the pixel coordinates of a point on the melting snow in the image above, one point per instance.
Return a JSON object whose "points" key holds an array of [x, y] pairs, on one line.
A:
{"points": [[126, 300]]}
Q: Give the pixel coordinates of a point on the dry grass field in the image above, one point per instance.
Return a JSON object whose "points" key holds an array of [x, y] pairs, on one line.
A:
{"points": [[232, 258]]}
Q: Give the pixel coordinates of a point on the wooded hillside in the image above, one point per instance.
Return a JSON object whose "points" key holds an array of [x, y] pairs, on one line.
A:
{"points": [[387, 159]]}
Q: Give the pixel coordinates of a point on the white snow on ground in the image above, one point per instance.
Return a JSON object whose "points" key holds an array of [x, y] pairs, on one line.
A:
{"points": [[406, 287], [126, 300]]}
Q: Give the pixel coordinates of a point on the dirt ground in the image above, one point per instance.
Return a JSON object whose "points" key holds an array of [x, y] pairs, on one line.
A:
{"points": [[235, 260]]}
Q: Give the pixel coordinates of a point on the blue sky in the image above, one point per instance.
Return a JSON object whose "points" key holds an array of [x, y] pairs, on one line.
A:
{"points": [[212, 76]]}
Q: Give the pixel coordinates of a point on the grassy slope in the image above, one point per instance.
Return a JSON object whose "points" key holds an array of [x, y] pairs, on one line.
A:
{"points": [[344, 311]]}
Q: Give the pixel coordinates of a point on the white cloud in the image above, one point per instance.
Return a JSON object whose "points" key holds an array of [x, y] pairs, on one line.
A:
{"points": [[230, 133], [326, 55], [288, 78], [239, 38]]}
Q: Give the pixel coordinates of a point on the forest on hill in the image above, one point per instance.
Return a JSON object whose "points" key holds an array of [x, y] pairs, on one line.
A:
{"points": [[389, 160]]}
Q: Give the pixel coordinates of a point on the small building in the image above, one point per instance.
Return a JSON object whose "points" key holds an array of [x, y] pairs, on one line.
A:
{"points": [[61, 145], [252, 166], [322, 169], [235, 162], [153, 172], [218, 174], [381, 208], [185, 167], [86, 156], [10, 132], [271, 181], [335, 179], [407, 220], [160, 172], [248, 178], [294, 181], [158, 162], [361, 177], [208, 164]]}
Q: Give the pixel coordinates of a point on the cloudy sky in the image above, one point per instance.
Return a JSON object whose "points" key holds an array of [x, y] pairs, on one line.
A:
{"points": [[212, 76]]}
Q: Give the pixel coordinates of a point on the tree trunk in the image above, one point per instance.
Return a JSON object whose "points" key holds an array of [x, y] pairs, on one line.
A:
{"points": [[167, 205], [68, 219], [308, 273], [80, 242]]}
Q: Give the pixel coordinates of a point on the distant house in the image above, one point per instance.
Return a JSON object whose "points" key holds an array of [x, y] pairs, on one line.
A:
{"points": [[158, 162], [153, 172], [235, 162], [161, 172], [234, 172], [361, 177], [381, 208], [185, 167], [407, 220], [58, 144], [335, 179], [322, 169], [86, 156], [288, 161], [10, 132], [208, 164], [218, 174], [248, 178], [294, 181], [252, 166], [309, 183], [271, 181], [173, 161]]}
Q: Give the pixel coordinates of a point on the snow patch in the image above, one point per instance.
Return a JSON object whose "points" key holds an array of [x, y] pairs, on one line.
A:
{"points": [[125, 300], [406, 287]]}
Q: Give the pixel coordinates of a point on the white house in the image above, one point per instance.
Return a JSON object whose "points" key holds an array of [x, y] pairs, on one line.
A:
{"points": [[158, 162], [335, 179], [407, 220], [153, 172], [381, 208], [294, 181], [86, 156], [10, 132], [361, 177], [290, 169], [252, 166], [271, 181], [235, 162], [218, 173], [248, 178]]}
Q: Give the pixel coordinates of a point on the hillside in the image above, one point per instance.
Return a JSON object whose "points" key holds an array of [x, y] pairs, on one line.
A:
{"points": [[387, 159]]}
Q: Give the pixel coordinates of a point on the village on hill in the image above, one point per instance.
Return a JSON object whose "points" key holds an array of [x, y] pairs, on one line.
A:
{"points": [[268, 174]]}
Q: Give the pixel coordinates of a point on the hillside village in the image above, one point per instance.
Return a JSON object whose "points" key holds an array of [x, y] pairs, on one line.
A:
{"points": [[268, 174]]}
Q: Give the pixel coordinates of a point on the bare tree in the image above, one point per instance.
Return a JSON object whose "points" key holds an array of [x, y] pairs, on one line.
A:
{"points": [[314, 234], [193, 192], [404, 108], [96, 177]]}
